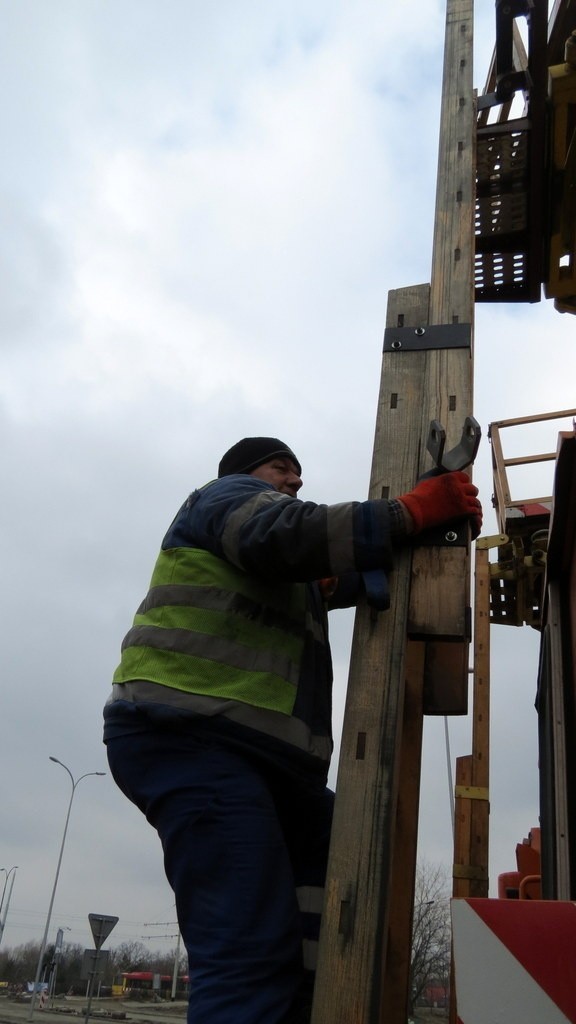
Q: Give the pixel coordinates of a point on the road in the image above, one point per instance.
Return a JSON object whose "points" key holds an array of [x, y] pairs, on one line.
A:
{"points": [[12, 1012], [111, 1010]]}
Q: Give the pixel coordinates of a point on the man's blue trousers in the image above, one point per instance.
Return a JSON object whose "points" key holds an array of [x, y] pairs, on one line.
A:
{"points": [[239, 840]]}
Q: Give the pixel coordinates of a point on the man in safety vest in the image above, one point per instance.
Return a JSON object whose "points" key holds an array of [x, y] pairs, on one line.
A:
{"points": [[219, 724]]}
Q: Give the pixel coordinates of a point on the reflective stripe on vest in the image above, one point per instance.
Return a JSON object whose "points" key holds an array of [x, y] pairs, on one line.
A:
{"points": [[225, 635]]}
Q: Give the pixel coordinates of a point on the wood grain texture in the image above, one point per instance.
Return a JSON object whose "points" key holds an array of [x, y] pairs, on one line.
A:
{"points": [[362, 963], [356, 912]]}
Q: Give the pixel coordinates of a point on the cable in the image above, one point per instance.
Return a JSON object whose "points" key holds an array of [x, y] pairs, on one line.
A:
{"points": [[450, 780]]}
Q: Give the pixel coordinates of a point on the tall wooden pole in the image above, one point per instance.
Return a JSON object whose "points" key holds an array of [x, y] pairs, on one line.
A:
{"points": [[426, 375]]}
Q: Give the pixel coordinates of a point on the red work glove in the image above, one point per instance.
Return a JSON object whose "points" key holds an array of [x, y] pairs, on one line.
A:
{"points": [[328, 586], [441, 499]]}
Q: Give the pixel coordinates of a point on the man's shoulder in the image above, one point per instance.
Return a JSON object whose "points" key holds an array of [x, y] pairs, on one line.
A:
{"points": [[236, 487], [237, 482]]}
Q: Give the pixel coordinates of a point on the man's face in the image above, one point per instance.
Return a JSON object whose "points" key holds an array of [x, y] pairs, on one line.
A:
{"points": [[281, 472]]}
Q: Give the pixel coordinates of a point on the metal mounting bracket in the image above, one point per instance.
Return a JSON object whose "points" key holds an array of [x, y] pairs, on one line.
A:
{"points": [[418, 339], [450, 535]]}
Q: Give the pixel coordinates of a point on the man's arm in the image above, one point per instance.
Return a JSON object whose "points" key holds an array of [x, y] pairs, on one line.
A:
{"points": [[271, 535]]}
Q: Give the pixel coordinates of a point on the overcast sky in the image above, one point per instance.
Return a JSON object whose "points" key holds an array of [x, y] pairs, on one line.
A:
{"points": [[204, 206]]}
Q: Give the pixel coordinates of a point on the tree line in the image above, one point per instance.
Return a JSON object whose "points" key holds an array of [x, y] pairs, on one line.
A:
{"points": [[18, 965], [430, 958]]}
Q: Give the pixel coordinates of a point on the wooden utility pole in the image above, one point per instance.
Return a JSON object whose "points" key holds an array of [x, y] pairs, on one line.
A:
{"points": [[473, 771], [472, 804], [417, 652]]}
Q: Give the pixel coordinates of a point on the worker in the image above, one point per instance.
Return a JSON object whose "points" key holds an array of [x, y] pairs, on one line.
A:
{"points": [[218, 727]]}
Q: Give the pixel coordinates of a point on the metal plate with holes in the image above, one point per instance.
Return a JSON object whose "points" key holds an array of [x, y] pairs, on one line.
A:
{"points": [[450, 535], [418, 339]]}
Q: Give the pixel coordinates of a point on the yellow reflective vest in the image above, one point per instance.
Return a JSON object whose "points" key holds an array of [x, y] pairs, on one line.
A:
{"points": [[208, 628]]}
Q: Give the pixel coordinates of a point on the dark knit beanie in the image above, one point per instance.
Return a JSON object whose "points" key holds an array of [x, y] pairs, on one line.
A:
{"points": [[251, 452]]}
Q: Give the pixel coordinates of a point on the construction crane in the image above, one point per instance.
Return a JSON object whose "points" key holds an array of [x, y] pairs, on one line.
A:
{"points": [[505, 227]]}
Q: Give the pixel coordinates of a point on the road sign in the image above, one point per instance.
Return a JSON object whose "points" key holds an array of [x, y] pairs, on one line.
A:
{"points": [[94, 962], [101, 926]]}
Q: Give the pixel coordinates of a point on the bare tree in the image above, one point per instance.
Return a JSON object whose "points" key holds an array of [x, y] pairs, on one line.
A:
{"points": [[129, 956], [18, 965], [431, 933], [163, 963]]}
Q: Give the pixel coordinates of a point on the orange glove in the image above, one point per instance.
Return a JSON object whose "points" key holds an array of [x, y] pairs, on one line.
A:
{"points": [[441, 499]]}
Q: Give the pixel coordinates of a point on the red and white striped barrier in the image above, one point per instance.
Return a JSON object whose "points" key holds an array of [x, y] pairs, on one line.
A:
{"points": [[515, 961]]}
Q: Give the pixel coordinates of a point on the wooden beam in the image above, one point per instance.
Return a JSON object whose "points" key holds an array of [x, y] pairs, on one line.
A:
{"points": [[480, 809], [460, 883], [462, 818], [360, 965], [395, 993], [441, 583], [355, 926]]}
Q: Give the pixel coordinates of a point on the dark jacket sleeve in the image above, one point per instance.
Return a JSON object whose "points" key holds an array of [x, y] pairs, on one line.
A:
{"points": [[271, 535]]}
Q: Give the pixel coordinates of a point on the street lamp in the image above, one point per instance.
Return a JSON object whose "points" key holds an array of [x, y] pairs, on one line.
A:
{"points": [[3, 919], [74, 783]]}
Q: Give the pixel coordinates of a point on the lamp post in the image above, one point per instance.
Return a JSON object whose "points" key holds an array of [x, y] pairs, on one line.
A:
{"points": [[74, 783], [11, 872]]}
